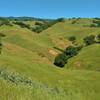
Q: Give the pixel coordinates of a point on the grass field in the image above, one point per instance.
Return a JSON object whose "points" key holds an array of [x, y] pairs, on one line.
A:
{"points": [[26, 63]]}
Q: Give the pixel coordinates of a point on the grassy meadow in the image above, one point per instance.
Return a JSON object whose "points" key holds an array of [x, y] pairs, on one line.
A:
{"points": [[27, 71]]}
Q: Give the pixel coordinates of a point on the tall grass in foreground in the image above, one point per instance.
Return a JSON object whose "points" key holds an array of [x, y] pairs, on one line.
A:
{"points": [[13, 86]]}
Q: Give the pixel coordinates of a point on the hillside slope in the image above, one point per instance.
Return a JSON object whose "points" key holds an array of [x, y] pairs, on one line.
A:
{"points": [[26, 63]]}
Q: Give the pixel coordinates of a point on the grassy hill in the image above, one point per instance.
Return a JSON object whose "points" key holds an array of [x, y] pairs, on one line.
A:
{"points": [[27, 71], [88, 59]]}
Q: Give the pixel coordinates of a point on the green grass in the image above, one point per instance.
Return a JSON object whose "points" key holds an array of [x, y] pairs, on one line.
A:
{"points": [[72, 86], [88, 58], [31, 55]]}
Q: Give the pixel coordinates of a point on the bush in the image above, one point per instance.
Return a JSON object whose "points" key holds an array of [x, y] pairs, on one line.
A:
{"points": [[60, 60], [89, 40], [93, 25], [71, 51], [74, 21], [38, 23], [43, 26], [79, 47], [0, 46], [97, 22], [4, 21], [98, 37], [22, 25], [97, 18], [39, 29], [60, 20], [2, 35], [72, 39]]}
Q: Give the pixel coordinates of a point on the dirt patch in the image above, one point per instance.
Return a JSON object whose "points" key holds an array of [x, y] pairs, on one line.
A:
{"points": [[52, 52], [77, 64], [62, 43]]}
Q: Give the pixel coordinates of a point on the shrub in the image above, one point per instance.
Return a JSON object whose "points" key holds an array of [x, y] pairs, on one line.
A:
{"points": [[78, 18], [98, 37], [22, 25], [71, 51], [43, 26], [97, 22], [40, 28], [37, 29], [61, 50], [60, 20], [0, 47], [79, 47], [74, 21], [97, 18], [89, 40], [93, 25], [60, 60], [38, 23], [72, 39], [2, 35], [4, 21]]}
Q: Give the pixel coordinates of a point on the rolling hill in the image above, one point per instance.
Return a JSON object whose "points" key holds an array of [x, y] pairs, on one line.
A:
{"points": [[27, 71]]}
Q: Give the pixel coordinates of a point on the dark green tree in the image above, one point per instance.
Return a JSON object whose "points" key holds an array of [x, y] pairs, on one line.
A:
{"points": [[74, 21], [22, 24], [38, 23], [1, 35], [4, 21], [60, 60], [72, 39], [89, 40], [93, 25], [98, 37], [71, 51], [60, 20]]}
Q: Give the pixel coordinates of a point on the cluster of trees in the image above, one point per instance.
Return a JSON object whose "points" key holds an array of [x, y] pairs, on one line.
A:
{"points": [[72, 39], [73, 50], [75, 20], [26, 19], [22, 24], [88, 40], [4, 21], [1, 35], [68, 53], [46, 24], [92, 39], [39, 26], [98, 38], [96, 23]]}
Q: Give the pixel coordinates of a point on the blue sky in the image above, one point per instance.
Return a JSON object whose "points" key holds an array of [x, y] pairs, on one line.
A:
{"points": [[50, 8]]}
